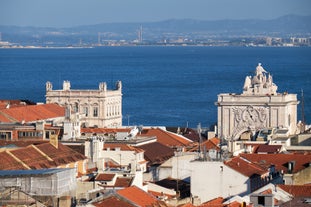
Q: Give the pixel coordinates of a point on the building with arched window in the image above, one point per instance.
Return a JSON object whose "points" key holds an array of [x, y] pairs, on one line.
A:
{"points": [[95, 108], [260, 106]]}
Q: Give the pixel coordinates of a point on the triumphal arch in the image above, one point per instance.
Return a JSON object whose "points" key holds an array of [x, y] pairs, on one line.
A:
{"points": [[259, 106]]}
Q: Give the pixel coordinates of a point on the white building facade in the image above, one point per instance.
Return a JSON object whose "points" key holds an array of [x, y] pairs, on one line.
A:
{"points": [[259, 106], [210, 180], [99, 108]]}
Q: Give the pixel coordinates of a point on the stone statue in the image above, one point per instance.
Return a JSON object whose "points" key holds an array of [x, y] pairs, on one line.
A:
{"points": [[48, 86], [103, 86], [119, 85], [260, 70], [247, 83]]}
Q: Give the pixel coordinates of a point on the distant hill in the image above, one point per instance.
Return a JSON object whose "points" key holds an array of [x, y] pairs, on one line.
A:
{"points": [[284, 26]]}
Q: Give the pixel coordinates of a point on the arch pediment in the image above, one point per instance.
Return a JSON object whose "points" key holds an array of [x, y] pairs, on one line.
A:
{"points": [[248, 118]]}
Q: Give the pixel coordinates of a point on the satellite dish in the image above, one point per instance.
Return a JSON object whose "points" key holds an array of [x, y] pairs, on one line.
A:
{"points": [[212, 153]]}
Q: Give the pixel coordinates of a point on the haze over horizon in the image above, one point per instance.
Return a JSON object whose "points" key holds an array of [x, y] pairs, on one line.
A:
{"points": [[71, 13]]}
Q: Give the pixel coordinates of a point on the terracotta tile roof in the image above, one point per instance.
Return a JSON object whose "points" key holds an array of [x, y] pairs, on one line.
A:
{"points": [[39, 156], [111, 163], [296, 202], [157, 153], [77, 148], [166, 138], [189, 133], [22, 143], [297, 190], [105, 177], [33, 158], [61, 155], [113, 201], [3, 118], [7, 162], [244, 167], [268, 149], [139, 197], [280, 161], [216, 202], [122, 146], [30, 113], [234, 204], [123, 182], [208, 144]]}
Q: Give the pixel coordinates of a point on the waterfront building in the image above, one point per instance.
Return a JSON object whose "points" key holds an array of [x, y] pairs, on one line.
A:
{"points": [[260, 106], [99, 108]]}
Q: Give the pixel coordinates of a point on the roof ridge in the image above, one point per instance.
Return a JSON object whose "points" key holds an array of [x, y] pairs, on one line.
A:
{"points": [[17, 159], [42, 153], [172, 134], [8, 116]]}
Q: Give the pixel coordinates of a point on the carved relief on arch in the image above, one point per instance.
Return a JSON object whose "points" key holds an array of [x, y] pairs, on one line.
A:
{"points": [[248, 119]]}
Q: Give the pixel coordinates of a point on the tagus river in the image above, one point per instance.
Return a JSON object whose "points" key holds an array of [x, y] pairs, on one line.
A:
{"points": [[167, 86]]}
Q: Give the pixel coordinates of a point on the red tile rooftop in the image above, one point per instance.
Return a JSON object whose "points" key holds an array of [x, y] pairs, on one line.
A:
{"points": [[105, 177], [113, 201], [33, 158], [280, 161], [8, 162], [30, 113], [268, 149], [39, 156], [157, 153], [217, 202], [166, 138], [297, 190], [244, 167], [208, 144], [123, 182], [138, 196]]}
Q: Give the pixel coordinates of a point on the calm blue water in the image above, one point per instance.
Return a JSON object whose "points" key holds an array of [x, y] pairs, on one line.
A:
{"points": [[169, 86]]}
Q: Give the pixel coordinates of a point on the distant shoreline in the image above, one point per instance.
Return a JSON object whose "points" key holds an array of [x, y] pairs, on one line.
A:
{"points": [[151, 45]]}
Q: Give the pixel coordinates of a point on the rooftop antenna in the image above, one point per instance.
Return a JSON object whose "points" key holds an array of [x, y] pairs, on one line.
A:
{"points": [[141, 34], [302, 111], [200, 139]]}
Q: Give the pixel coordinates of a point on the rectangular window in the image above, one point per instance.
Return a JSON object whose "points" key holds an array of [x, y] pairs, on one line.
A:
{"points": [[5, 135], [95, 112], [261, 200]]}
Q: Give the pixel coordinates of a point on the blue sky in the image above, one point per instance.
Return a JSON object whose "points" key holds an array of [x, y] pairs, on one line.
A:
{"points": [[66, 13]]}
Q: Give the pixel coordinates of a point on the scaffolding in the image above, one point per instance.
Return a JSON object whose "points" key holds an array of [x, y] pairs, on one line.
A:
{"points": [[46, 185]]}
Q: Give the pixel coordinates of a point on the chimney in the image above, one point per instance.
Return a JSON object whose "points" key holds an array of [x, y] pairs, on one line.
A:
{"points": [[54, 140]]}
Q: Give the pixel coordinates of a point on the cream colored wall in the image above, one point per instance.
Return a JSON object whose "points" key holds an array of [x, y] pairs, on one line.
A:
{"points": [[108, 102], [275, 112], [303, 177]]}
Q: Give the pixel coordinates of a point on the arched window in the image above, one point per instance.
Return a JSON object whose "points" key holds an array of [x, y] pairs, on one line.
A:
{"points": [[86, 111], [95, 111], [76, 107]]}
